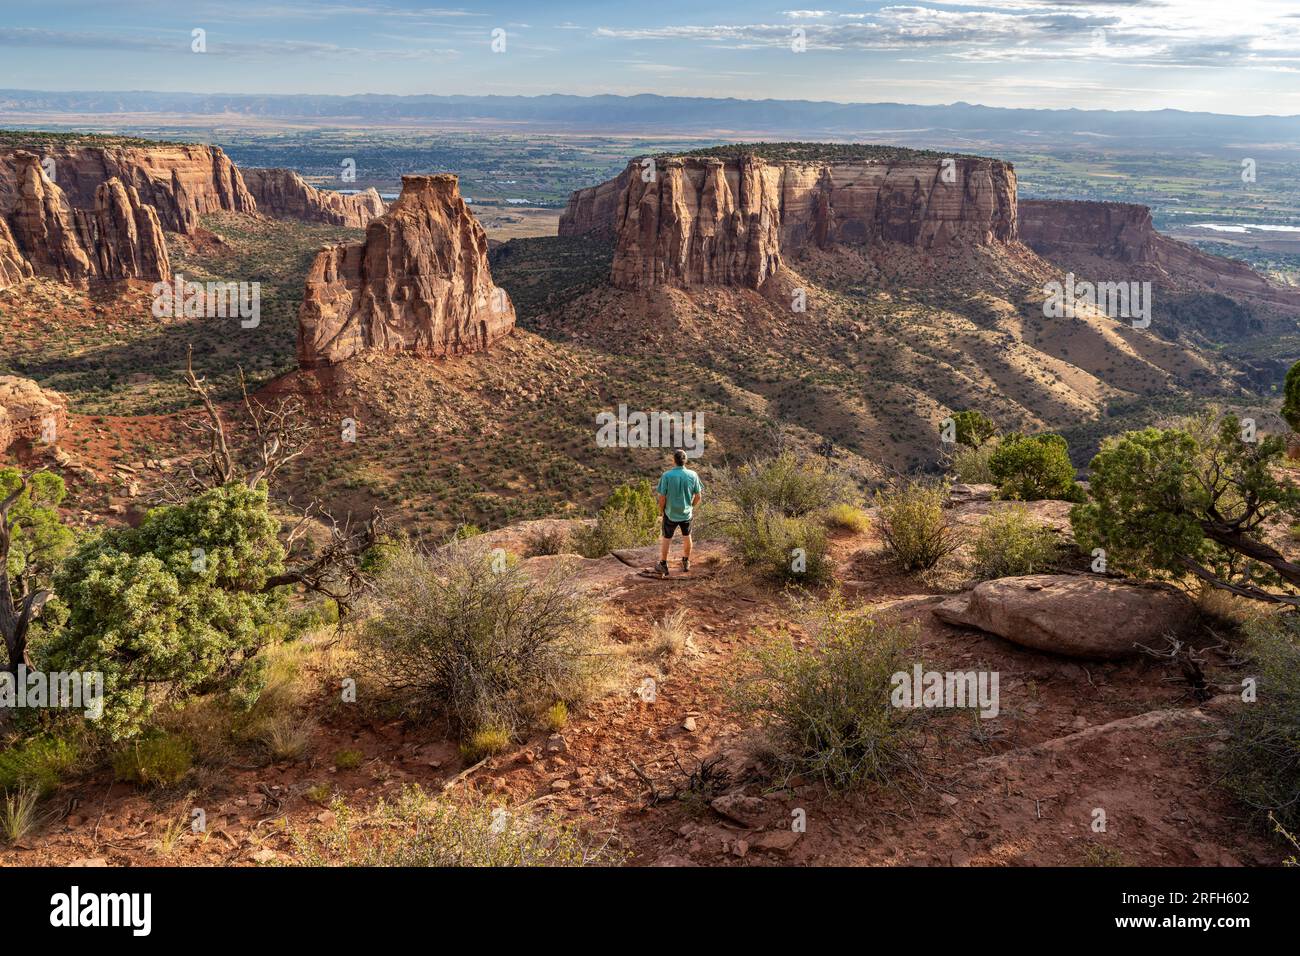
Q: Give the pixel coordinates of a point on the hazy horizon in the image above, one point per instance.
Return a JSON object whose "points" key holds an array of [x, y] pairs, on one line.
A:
{"points": [[1194, 55]]}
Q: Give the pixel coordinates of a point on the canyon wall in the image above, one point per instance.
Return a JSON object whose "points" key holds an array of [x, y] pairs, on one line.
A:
{"points": [[1114, 241], [284, 194], [419, 283], [733, 221], [594, 211], [118, 237], [181, 182]]}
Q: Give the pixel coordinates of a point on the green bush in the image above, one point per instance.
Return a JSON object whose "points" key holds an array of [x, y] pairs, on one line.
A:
{"points": [[158, 760], [1260, 761], [972, 466], [784, 484], [628, 519], [914, 524], [973, 428], [826, 706], [484, 649], [1034, 467], [174, 607], [417, 830], [546, 541], [847, 518], [1010, 542], [785, 549], [38, 764]]}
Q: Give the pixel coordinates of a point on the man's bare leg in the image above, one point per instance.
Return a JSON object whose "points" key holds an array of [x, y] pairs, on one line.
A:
{"points": [[686, 547], [663, 547]]}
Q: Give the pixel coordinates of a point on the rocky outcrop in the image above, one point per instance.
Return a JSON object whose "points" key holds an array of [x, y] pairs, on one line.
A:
{"points": [[119, 237], [14, 267], [29, 412], [733, 220], [282, 193], [593, 211], [1112, 241], [123, 236], [419, 283], [1086, 616], [182, 182]]}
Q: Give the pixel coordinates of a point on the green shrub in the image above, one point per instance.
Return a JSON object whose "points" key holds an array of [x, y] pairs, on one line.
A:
{"points": [[783, 549], [628, 519], [481, 648], [972, 466], [847, 518], [914, 524], [1034, 467], [784, 484], [38, 764], [159, 760], [1010, 542], [826, 706], [173, 607], [546, 541], [19, 813], [485, 742], [417, 830], [348, 759], [1260, 760], [973, 428]]}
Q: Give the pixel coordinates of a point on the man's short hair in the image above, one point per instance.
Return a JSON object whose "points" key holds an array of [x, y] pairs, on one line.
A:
{"points": [[679, 456]]}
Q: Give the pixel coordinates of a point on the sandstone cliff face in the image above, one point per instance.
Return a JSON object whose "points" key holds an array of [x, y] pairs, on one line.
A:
{"points": [[282, 193], [419, 282], [29, 412], [181, 182], [119, 237], [593, 211], [708, 220], [1117, 242], [14, 267]]}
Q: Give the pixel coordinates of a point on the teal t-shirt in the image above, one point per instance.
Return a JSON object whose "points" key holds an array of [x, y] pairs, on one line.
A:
{"points": [[679, 485]]}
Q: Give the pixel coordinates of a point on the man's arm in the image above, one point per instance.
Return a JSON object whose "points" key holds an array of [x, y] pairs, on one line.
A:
{"points": [[663, 503]]}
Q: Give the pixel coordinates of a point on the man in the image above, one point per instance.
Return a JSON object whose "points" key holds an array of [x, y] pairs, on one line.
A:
{"points": [[679, 492]]}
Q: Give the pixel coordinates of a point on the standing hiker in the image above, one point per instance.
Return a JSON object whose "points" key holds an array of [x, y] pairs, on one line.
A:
{"points": [[679, 492]]}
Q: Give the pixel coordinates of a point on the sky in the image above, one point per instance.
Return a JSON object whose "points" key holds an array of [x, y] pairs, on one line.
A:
{"points": [[1223, 56]]}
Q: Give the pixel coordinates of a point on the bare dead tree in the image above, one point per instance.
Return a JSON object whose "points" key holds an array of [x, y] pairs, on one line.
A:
{"points": [[277, 436], [333, 571], [19, 602], [274, 436]]}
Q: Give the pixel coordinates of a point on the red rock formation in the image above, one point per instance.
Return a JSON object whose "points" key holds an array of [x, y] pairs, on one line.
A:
{"points": [[119, 238], [181, 182], [1111, 241], [29, 412], [419, 282], [594, 210], [124, 237], [282, 193], [43, 226], [705, 219], [14, 267]]}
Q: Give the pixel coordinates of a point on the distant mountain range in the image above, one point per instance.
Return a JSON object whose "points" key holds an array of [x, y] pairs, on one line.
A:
{"points": [[648, 113]]}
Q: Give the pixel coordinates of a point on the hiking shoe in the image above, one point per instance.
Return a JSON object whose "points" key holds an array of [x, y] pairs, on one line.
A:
{"points": [[686, 564], [662, 568]]}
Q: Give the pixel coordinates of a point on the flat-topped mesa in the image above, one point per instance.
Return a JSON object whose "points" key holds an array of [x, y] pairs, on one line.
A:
{"points": [[734, 215], [118, 238], [1118, 241], [282, 193], [182, 182], [419, 283]]}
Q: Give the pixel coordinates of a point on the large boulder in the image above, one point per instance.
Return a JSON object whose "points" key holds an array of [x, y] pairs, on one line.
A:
{"points": [[29, 412], [1076, 615]]}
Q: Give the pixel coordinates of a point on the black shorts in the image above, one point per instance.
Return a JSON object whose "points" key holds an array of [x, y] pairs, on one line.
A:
{"points": [[671, 526]]}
